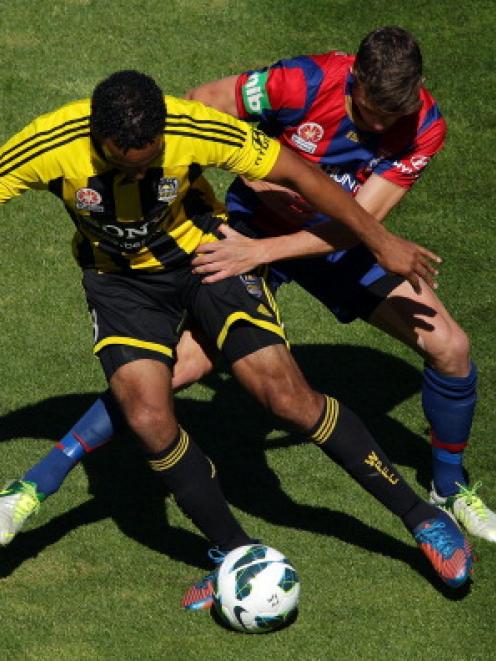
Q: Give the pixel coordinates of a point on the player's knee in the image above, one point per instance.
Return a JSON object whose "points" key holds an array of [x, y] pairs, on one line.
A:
{"points": [[279, 402], [293, 402], [451, 353], [460, 344], [143, 419], [152, 424]]}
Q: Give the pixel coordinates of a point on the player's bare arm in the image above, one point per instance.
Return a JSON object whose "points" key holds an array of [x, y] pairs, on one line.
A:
{"points": [[219, 94], [239, 254], [394, 253]]}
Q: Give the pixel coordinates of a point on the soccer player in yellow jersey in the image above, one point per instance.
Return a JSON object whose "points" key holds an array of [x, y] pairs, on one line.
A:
{"points": [[127, 165]]}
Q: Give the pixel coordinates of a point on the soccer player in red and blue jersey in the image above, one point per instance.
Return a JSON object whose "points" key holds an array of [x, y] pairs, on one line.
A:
{"points": [[369, 122]]}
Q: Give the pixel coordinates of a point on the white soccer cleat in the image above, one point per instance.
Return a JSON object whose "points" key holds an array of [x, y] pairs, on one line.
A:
{"points": [[468, 509], [18, 502]]}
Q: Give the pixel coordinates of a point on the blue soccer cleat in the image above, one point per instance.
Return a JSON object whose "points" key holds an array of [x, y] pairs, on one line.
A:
{"points": [[444, 545], [200, 596]]}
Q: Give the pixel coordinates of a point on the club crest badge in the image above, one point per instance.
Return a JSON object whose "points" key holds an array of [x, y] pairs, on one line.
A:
{"points": [[167, 189], [88, 199], [307, 136], [252, 284]]}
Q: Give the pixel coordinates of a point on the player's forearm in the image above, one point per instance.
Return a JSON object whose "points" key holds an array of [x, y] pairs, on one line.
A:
{"points": [[328, 197], [319, 240]]}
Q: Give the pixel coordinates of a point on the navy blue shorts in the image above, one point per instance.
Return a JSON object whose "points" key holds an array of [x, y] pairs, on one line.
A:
{"points": [[349, 283]]}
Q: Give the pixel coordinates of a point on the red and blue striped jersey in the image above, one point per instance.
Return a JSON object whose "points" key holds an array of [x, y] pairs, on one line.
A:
{"points": [[306, 102]]}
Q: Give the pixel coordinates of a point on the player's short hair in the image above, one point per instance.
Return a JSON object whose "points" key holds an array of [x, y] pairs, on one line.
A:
{"points": [[129, 108], [389, 66]]}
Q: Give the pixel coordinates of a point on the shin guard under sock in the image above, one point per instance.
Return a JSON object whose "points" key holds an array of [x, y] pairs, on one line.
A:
{"points": [[94, 429], [344, 438], [449, 405], [191, 477]]}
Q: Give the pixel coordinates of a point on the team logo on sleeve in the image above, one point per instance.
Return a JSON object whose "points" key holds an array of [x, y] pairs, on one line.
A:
{"points": [[255, 97], [413, 165], [307, 136], [167, 189], [88, 199], [261, 144], [419, 162]]}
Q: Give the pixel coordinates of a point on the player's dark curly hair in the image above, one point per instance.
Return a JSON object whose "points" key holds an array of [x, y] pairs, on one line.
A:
{"points": [[389, 66], [129, 108]]}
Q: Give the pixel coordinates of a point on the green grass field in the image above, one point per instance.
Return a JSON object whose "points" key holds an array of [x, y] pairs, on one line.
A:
{"points": [[100, 572]]}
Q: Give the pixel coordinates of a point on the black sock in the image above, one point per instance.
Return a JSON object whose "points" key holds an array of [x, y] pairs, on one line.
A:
{"points": [[191, 477], [344, 438]]}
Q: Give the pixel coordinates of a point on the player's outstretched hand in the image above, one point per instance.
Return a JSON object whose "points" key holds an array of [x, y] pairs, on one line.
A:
{"points": [[234, 255], [412, 261]]}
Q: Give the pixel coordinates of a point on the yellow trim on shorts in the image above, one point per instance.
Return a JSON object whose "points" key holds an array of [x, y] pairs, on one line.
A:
{"points": [[236, 316], [272, 301], [131, 342]]}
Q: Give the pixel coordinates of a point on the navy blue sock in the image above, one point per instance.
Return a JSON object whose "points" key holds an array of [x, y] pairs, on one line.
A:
{"points": [[95, 428], [449, 405]]}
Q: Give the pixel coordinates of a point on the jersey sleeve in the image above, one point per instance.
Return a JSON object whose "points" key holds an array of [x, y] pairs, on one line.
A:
{"points": [[278, 93], [257, 156], [230, 144], [21, 166], [405, 168]]}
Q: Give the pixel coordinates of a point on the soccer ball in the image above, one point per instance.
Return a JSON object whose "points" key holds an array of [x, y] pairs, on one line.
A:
{"points": [[256, 589]]}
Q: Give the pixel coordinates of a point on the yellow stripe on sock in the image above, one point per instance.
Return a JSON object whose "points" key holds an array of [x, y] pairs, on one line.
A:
{"points": [[174, 456], [329, 421]]}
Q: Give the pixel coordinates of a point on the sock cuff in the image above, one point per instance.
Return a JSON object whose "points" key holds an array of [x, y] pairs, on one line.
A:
{"points": [[172, 455], [420, 512], [326, 424], [455, 387]]}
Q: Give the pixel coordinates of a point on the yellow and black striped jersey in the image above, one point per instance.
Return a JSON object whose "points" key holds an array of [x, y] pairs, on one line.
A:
{"points": [[122, 225]]}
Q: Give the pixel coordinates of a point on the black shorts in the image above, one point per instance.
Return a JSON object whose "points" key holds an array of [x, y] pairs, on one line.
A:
{"points": [[140, 315]]}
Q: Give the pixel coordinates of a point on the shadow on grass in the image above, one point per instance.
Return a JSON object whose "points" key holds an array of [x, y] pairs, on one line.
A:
{"points": [[232, 429], [124, 490]]}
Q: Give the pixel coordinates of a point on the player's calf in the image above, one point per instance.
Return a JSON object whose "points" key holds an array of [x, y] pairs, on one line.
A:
{"points": [[344, 438]]}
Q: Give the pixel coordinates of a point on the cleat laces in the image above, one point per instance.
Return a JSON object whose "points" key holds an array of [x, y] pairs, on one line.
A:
{"points": [[470, 497], [216, 555], [437, 536]]}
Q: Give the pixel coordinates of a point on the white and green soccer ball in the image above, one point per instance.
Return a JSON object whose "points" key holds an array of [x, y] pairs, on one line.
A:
{"points": [[256, 589]]}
